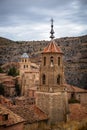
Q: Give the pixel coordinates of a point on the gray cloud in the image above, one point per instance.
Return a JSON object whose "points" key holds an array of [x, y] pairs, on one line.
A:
{"points": [[29, 19]]}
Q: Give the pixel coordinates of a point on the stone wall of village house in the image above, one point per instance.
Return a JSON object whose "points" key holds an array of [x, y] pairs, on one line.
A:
{"points": [[83, 99], [80, 96], [29, 80], [19, 126], [53, 104]]}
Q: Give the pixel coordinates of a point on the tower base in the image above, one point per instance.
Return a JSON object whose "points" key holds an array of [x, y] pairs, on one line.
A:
{"points": [[54, 105]]}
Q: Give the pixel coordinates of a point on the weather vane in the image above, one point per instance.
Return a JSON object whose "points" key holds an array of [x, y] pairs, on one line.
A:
{"points": [[52, 31]]}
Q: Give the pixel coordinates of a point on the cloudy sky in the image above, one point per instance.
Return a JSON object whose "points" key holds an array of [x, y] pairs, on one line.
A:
{"points": [[30, 19]]}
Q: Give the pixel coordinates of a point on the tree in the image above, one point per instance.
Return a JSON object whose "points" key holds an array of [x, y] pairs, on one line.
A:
{"points": [[13, 71], [17, 88], [2, 89]]}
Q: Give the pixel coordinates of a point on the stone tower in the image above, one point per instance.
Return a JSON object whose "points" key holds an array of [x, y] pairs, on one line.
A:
{"points": [[24, 68], [51, 95]]}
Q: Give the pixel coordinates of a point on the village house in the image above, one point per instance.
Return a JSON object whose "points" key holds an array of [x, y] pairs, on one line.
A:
{"points": [[8, 83], [77, 93], [10, 120], [29, 75]]}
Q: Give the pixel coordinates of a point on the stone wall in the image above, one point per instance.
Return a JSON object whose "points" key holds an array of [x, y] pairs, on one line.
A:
{"points": [[53, 104]]}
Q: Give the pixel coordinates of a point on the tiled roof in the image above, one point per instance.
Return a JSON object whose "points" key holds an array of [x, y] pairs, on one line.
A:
{"points": [[30, 113], [77, 112], [12, 117], [52, 48], [71, 88]]}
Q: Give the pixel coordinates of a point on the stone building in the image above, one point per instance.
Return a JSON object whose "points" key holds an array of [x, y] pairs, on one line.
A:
{"points": [[51, 94], [29, 75], [77, 93], [8, 83]]}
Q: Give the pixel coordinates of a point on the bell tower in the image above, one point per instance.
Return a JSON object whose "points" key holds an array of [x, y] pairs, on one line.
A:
{"points": [[51, 94], [24, 68], [51, 70]]}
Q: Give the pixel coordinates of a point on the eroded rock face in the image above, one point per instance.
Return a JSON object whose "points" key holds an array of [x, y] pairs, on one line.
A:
{"points": [[75, 55]]}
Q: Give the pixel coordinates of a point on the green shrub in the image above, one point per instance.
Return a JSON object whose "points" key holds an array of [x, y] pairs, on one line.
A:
{"points": [[13, 72]]}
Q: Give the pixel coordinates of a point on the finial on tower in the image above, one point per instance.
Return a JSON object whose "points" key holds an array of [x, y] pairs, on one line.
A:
{"points": [[52, 31]]}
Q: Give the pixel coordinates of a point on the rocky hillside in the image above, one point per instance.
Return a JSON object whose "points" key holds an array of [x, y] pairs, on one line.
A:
{"points": [[75, 55]]}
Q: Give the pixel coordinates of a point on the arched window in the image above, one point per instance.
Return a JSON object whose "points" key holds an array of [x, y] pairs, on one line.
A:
{"points": [[58, 79], [58, 61], [43, 79], [51, 61], [25, 60], [44, 61]]}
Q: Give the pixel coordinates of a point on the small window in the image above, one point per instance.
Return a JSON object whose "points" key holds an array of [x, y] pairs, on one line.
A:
{"points": [[25, 60], [72, 95], [24, 66], [44, 61], [58, 61], [58, 79], [5, 117], [43, 79]]}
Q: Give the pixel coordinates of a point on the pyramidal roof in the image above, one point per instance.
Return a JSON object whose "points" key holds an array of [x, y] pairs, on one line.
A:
{"points": [[25, 55], [52, 48]]}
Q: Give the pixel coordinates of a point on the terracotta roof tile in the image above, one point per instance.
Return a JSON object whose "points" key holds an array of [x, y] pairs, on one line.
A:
{"points": [[30, 113], [53, 48], [71, 88], [77, 112], [12, 117]]}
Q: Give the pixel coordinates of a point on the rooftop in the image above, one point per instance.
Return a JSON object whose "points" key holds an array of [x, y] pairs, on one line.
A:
{"points": [[25, 55], [12, 117], [77, 112], [30, 113], [52, 48], [71, 88]]}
